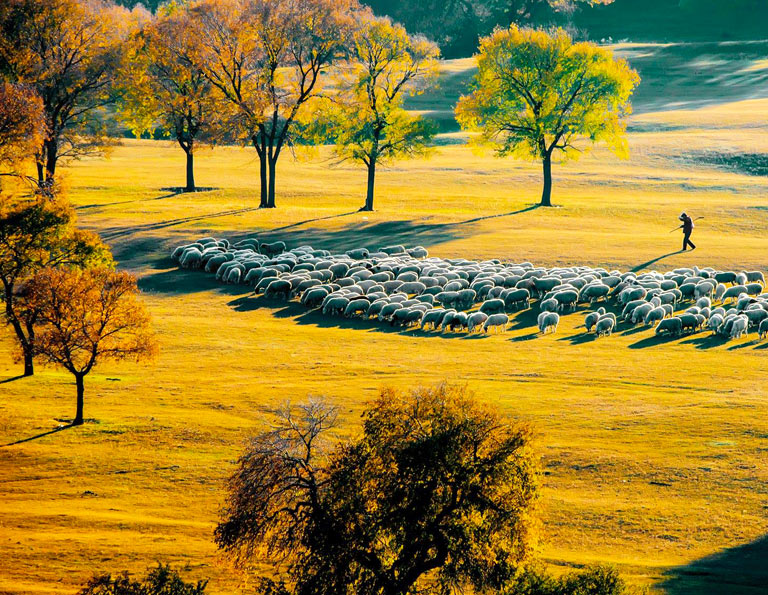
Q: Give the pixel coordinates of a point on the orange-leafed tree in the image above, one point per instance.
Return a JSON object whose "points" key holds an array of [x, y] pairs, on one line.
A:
{"points": [[161, 90], [68, 52], [22, 127], [266, 58], [35, 234], [88, 316]]}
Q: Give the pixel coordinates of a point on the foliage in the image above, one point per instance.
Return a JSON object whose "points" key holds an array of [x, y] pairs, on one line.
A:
{"points": [[456, 25], [438, 490], [161, 89], [34, 235], [68, 52], [162, 580], [87, 316], [22, 127], [537, 93], [595, 580], [366, 116], [266, 58]]}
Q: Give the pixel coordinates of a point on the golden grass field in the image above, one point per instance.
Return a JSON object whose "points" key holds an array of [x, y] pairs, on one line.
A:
{"points": [[654, 453]]}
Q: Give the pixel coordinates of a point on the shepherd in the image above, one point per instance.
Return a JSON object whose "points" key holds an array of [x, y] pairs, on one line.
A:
{"points": [[687, 227]]}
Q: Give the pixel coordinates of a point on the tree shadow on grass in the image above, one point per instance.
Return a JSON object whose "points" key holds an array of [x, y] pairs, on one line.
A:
{"points": [[171, 193], [41, 435], [11, 379], [179, 281], [528, 337], [740, 570]]}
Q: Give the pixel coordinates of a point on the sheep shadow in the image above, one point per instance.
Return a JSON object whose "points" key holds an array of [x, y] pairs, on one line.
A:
{"points": [[524, 319], [707, 341], [528, 337], [581, 338], [633, 330], [753, 343], [653, 341]]}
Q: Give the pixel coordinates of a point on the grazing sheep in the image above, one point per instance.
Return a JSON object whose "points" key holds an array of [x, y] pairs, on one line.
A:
{"points": [[590, 320], [358, 254], [476, 320], [278, 288], [755, 277], [516, 298], [763, 329], [335, 305], [733, 292], [550, 305], [566, 299], [547, 321], [670, 326], [191, 258], [357, 308], [273, 249], [594, 292], [604, 327], [493, 306], [497, 322], [433, 318], [314, 297], [639, 313], [691, 322], [740, 327], [655, 315]]}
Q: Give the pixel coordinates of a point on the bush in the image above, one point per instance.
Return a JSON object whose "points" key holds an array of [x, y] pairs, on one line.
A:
{"points": [[596, 580], [162, 580]]}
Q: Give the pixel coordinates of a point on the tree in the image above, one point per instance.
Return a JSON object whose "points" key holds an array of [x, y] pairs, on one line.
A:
{"points": [[37, 234], [22, 127], [366, 117], [162, 580], [438, 490], [161, 89], [594, 580], [88, 316], [68, 52], [536, 93], [266, 59]]}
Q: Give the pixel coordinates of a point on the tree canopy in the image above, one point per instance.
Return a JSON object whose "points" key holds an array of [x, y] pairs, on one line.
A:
{"points": [[537, 95], [68, 52], [22, 127], [368, 123], [161, 90], [88, 316], [438, 490]]}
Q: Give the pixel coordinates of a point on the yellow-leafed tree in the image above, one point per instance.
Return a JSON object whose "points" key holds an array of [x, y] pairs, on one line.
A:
{"points": [[539, 95]]}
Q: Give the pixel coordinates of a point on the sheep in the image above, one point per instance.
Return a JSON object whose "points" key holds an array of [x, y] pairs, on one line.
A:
{"points": [[691, 321], [670, 326], [314, 297], [454, 320], [278, 288], [754, 289], [639, 313], [493, 306], [763, 329], [191, 258], [358, 254], [733, 292], [604, 327], [516, 298], [725, 277], [357, 307], [547, 321], [433, 317], [273, 249], [465, 299], [234, 275], [755, 277], [566, 299], [740, 327], [335, 305], [655, 315], [497, 322], [590, 320], [475, 321], [704, 289], [594, 292], [704, 302], [550, 305]]}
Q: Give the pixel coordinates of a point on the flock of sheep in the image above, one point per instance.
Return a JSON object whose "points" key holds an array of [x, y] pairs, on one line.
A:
{"points": [[405, 287]]}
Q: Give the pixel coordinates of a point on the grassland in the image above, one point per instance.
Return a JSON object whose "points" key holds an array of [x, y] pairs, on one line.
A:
{"points": [[654, 453]]}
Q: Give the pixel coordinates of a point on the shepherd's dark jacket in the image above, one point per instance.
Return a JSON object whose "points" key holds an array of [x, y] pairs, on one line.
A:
{"points": [[687, 225]]}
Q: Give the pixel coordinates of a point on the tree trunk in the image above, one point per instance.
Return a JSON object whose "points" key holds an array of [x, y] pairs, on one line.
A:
{"points": [[40, 171], [546, 194], [29, 363], [190, 187], [271, 196], [51, 157], [371, 183], [79, 381]]}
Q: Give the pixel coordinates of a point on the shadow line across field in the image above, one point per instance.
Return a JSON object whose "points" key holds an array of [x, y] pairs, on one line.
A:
{"points": [[736, 571]]}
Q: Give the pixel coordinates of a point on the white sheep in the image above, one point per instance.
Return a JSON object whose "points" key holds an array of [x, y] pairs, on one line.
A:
{"points": [[476, 320], [548, 321], [604, 327], [497, 322]]}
